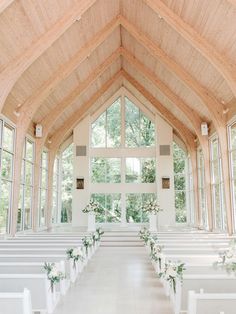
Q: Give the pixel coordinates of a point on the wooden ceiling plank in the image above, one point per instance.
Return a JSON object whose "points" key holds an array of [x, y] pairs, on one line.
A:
{"points": [[219, 61], [4, 4], [211, 103], [59, 135], [16, 67]]}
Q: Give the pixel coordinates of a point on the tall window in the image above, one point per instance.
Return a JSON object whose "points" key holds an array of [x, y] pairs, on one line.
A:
{"points": [[67, 184], [56, 190], [7, 138], [217, 186], [24, 218], [190, 192], [179, 157], [202, 188], [232, 150], [123, 163], [43, 188]]}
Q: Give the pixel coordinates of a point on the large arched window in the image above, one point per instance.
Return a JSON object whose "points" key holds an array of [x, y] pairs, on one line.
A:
{"points": [[123, 160]]}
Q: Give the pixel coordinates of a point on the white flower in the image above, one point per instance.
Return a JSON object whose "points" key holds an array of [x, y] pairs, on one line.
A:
{"points": [[171, 271], [230, 253], [76, 252]]}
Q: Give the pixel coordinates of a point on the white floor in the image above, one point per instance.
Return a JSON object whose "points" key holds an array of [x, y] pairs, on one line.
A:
{"points": [[117, 281]]}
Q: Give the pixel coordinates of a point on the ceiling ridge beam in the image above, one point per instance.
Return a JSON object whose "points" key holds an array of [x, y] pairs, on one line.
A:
{"points": [[4, 4], [209, 100], [31, 105], [223, 65], [166, 114], [56, 112], [58, 136], [15, 68], [189, 112]]}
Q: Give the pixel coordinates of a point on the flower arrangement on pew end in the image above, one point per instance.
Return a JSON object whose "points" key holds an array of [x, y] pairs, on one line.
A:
{"points": [[75, 254], [172, 273], [87, 243], [53, 273], [151, 207], [145, 235], [227, 259], [156, 256]]}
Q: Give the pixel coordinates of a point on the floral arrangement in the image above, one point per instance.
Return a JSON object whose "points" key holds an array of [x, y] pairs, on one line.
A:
{"points": [[87, 242], [53, 273], [75, 254], [173, 272], [152, 242], [151, 207], [92, 207], [145, 235], [100, 231], [156, 254], [227, 259]]}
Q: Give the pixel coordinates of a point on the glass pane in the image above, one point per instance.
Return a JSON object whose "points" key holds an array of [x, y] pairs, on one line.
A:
{"points": [[20, 210], [133, 208], [180, 183], [98, 170], [146, 197], [101, 200], [180, 206], [28, 173], [233, 136], [42, 207], [5, 197], [29, 152], [147, 131], [179, 159], [133, 170], [113, 208], [215, 153], [148, 170], [234, 163], [132, 124], [113, 174], [54, 206], [215, 171], [44, 161], [28, 206], [114, 124], [8, 138], [99, 131], [217, 206], [7, 161]]}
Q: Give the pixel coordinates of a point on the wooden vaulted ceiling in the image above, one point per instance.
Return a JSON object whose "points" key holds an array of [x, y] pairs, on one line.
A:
{"points": [[59, 59]]}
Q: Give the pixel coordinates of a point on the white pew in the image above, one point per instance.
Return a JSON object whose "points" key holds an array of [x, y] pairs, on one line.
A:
{"points": [[211, 303], [217, 283], [16, 302], [43, 298], [35, 268]]}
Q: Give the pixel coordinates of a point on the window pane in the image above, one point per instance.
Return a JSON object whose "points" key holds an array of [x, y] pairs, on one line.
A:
{"points": [[113, 208], [215, 153], [101, 200], [133, 208], [98, 170], [133, 170], [148, 170], [44, 160], [180, 183], [28, 173], [28, 206], [42, 207], [180, 205], [132, 124], [113, 168], [7, 160], [8, 138], [233, 136], [20, 210], [217, 207], [44, 178], [114, 124], [29, 153], [99, 131], [234, 164], [147, 131], [5, 197]]}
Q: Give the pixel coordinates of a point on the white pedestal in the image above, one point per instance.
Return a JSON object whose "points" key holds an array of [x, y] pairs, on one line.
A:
{"points": [[152, 223], [91, 222]]}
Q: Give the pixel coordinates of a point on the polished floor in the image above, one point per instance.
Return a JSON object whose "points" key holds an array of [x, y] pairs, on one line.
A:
{"points": [[118, 280]]}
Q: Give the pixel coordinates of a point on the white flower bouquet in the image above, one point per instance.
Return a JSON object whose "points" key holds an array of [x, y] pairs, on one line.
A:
{"points": [[53, 273], [75, 254], [151, 207], [92, 207], [87, 243], [156, 254], [145, 235], [227, 259], [173, 272]]}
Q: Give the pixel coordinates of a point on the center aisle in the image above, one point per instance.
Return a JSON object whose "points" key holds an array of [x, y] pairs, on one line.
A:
{"points": [[117, 280]]}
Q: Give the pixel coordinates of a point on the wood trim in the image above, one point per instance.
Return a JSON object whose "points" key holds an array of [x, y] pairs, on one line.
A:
{"points": [[209, 100], [4, 4], [16, 67], [61, 133], [223, 65]]}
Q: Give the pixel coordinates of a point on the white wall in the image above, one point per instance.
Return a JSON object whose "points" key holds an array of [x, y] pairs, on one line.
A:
{"points": [[166, 197], [164, 168]]}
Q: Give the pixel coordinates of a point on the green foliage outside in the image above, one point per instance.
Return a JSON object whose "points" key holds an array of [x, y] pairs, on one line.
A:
{"points": [[67, 184], [179, 157]]}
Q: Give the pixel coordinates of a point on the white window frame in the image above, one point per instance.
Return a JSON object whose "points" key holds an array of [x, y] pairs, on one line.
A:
{"points": [[202, 188], [41, 189]]}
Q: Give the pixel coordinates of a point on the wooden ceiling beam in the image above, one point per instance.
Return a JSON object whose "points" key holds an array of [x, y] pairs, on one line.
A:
{"points": [[15, 68], [185, 132], [31, 105], [56, 112], [60, 134], [223, 65], [4, 4], [209, 100]]}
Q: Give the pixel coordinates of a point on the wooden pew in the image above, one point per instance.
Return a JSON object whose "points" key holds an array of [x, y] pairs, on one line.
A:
{"points": [[16, 302]]}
